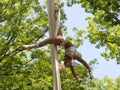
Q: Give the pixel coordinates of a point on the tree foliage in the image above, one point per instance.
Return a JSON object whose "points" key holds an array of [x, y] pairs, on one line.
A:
{"points": [[25, 22], [104, 25]]}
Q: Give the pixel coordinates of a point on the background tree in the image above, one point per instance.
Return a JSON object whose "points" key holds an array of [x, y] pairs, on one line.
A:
{"points": [[25, 22], [21, 22]]}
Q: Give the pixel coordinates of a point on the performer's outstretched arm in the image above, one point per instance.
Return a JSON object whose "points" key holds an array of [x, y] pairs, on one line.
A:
{"points": [[68, 63], [75, 74], [78, 58]]}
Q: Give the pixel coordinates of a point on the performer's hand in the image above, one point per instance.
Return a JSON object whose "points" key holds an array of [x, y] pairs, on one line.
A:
{"points": [[79, 79], [89, 71]]}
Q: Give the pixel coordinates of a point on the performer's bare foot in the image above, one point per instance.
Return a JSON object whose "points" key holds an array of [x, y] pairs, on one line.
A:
{"points": [[28, 46]]}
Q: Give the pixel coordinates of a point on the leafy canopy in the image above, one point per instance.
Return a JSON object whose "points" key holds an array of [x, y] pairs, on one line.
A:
{"points": [[25, 22]]}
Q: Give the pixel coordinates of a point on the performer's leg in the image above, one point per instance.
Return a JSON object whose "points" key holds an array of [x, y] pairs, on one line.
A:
{"points": [[56, 41]]}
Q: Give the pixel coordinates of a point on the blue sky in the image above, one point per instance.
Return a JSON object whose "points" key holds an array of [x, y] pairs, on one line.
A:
{"points": [[76, 18]]}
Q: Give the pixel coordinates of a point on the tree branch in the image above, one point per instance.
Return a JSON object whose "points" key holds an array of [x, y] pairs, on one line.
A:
{"points": [[6, 5], [107, 12], [19, 49]]}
